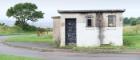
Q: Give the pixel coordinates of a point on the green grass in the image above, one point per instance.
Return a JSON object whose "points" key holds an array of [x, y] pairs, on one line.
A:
{"points": [[14, 30], [11, 57], [31, 38], [134, 39], [5, 30]]}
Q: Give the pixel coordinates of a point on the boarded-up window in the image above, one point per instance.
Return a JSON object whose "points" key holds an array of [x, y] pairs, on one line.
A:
{"points": [[111, 21]]}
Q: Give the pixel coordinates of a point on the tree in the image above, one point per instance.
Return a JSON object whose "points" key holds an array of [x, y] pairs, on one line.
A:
{"points": [[134, 22], [24, 12], [126, 20], [138, 20]]}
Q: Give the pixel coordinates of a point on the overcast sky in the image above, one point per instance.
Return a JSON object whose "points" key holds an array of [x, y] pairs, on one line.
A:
{"points": [[50, 7]]}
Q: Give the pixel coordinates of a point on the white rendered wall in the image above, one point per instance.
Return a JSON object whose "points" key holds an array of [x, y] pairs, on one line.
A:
{"points": [[113, 36], [87, 37]]}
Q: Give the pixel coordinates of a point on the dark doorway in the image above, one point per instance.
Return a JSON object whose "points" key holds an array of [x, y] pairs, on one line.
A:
{"points": [[70, 31]]}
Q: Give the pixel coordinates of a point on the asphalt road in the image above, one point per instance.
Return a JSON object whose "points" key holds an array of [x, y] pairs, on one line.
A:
{"points": [[4, 49]]}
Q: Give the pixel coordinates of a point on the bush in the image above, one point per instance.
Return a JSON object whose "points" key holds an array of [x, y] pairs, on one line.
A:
{"points": [[25, 26], [29, 28], [134, 23]]}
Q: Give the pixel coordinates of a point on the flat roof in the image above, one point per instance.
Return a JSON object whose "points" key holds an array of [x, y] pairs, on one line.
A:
{"points": [[92, 11]]}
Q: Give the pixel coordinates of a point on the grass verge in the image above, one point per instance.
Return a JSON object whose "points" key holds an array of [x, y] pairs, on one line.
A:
{"points": [[104, 49], [11, 57]]}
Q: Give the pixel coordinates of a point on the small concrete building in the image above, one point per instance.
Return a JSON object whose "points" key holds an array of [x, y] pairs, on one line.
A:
{"points": [[88, 28]]}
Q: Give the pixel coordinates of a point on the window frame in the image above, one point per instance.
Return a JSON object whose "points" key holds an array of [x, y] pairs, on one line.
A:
{"points": [[113, 19], [89, 17]]}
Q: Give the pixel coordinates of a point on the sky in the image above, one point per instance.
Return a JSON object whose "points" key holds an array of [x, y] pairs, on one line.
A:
{"points": [[50, 7]]}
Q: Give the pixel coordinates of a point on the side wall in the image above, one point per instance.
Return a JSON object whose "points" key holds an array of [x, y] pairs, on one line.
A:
{"points": [[56, 29]]}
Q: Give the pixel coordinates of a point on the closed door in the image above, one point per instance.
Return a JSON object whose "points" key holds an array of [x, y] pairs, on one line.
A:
{"points": [[70, 31]]}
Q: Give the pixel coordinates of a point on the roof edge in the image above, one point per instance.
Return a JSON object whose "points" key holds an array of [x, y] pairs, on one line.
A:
{"points": [[91, 11]]}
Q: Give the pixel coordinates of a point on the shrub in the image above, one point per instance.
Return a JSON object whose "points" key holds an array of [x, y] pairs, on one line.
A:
{"points": [[134, 23], [29, 28], [25, 26]]}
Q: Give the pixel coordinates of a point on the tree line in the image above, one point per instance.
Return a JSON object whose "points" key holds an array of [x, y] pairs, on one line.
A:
{"points": [[131, 21]]}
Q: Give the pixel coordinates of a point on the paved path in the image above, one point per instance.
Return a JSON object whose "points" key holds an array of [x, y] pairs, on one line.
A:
{"points": [[64, 55]]}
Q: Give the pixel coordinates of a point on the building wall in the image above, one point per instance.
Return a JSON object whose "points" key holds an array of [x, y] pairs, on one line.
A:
{"points": [[88, 36], [56, 28], [114, 35]]}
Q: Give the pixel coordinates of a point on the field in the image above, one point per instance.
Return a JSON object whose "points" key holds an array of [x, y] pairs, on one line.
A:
{"points": [[5, 30], [11, 57], [134, 41], [31, 38], [132, 37]]}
